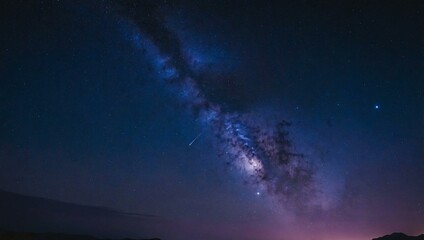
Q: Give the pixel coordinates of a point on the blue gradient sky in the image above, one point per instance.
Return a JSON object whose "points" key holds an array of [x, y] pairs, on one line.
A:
{"points": [[86, 117]]}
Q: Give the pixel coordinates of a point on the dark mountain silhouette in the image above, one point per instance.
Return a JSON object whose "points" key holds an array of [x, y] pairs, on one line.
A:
{"points": [[51, 236], [400, 236], [21, 213]]}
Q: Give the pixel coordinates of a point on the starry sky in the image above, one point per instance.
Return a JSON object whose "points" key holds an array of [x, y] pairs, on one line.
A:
{"points": [[277, 120]]}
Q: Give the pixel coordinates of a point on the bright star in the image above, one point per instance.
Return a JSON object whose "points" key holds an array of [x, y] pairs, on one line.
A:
{"points": [[376, 106], [258, 193]]}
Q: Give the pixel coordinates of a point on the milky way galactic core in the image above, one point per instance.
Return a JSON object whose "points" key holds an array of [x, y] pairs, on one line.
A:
{"points": [[263, 153]]}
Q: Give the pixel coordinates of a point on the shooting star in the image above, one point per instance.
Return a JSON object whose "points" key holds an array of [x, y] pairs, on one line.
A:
{"points": [[194, 139]]}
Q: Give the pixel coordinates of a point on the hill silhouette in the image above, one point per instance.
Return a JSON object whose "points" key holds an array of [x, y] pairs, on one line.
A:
{"points": [[52, 236], [24, 214], [400, 236]]}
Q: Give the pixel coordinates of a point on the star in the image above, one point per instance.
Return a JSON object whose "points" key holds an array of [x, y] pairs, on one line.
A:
{"points": [[377, 106]]}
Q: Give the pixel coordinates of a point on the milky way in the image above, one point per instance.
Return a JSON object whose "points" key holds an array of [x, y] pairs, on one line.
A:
{"points": [[263, 153]]}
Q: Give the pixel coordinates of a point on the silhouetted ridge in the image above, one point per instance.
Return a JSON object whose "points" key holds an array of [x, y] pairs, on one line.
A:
{"points": [[24, 214], [52, 236], [400, 236]]}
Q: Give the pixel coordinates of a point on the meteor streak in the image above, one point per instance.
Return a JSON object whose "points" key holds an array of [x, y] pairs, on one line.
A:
{"points": [[194, 139]]}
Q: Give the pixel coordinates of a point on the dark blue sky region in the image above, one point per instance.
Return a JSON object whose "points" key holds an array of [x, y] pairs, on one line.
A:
{"points": [[101, 101]]}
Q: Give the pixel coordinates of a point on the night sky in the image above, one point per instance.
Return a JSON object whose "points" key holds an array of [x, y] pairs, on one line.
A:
{"points": [[215, 119]]}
